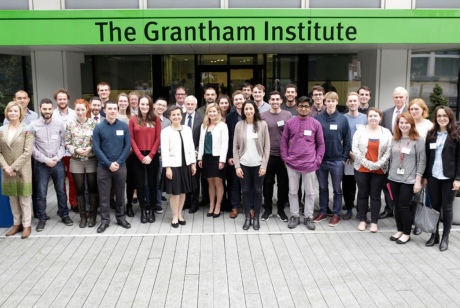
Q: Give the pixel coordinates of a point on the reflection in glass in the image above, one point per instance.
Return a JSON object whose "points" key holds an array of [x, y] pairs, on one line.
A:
{"points": [[178, 70]]}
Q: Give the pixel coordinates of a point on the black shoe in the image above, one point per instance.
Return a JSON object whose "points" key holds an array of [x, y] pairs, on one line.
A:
{"points": [[193, 209], [175, 225], [129, 210], [444, 243], [158, 209], [247, 223], [123, 223], [102, 228], [40, 226], [347, 216], [385, 214], [143, 215], [216, 215], [67, 221], [163, 198], [398, 241], [417, 231], [256, 223], [182, 222], [434, 239]]}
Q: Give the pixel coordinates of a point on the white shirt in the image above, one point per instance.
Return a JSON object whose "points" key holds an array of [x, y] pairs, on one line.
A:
{"points": [[396, 113], [98, 117], [186, 115]]}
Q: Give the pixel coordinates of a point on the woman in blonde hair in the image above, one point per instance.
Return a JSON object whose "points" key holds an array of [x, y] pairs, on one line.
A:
{"points": [[212, 154], [16, 142], [419, 111]]}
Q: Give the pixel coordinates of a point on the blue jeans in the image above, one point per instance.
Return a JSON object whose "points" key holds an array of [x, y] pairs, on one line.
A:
{"points": [[335, 168], [42, 174]]}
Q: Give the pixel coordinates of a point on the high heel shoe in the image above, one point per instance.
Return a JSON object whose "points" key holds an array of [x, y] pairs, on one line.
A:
{"points": [[434, 239], [216, 215], [210, 214]]}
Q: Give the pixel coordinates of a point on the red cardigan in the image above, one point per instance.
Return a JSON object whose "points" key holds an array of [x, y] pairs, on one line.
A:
{"points": [[144, 138]]}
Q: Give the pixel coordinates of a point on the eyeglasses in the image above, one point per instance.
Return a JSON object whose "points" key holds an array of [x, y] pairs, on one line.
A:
{"points": [[303, 106]]}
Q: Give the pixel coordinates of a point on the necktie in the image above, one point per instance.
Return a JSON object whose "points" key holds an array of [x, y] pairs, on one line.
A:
{"points": [[95, 118], [189, 123]]}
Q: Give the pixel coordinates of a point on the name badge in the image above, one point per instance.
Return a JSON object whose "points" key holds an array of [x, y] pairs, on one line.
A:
{"points": [[358, 126], [54, 137], [400, 171], [120, 133], [253, 136], [333, 127], [280, 123], [405, 150], [433, 146], [89, 133], [307, 132]]}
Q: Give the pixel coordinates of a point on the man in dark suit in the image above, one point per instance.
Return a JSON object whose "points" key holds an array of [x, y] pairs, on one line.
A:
{"points": [[400, 97], [95, 106], [194, 120], [179, 96]]}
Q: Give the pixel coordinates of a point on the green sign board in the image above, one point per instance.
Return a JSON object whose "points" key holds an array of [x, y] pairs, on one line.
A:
{"points": [[228, 26]]}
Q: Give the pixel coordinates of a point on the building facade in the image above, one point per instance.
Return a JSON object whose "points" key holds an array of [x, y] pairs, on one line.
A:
{"points": [[154, 46]]}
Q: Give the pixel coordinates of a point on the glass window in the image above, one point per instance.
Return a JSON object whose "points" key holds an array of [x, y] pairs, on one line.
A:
{"points": [[340, 73], [264, 4], [178, 70], [438, 4], [212, 59], [122, 73], [101, 4], [281, 70], [429, 68], [367, 4], [179, 4], [243, 60], [14, 5]]}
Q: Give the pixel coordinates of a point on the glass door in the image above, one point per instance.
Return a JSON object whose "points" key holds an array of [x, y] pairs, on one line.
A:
{"points": [[239, 76]]}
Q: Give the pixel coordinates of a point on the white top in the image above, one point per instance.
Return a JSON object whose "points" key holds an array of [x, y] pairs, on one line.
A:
{"points": [[251, 157], [424, 127]]}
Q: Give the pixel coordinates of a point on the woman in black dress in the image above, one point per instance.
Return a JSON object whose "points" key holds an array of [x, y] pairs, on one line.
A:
{"points": [[178, 155], [212, 154]]}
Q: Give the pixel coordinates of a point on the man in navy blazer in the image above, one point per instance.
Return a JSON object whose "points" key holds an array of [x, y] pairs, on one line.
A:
{"points": [[194, 120], [400, 97]]}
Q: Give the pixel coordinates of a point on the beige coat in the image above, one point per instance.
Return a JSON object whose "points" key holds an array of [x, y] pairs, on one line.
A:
{"points": [[17, 155], [262, 144]]}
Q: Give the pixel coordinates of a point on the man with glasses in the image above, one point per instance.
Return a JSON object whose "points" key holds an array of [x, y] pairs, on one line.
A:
{"points": [[318, 99], [302, 150], [180, 96]]}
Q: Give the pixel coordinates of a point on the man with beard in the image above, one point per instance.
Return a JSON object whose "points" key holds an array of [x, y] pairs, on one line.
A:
{"points": [[290, 94], [95, 107], [66, 115], [210, 97], [247, 90], [49, 148]]}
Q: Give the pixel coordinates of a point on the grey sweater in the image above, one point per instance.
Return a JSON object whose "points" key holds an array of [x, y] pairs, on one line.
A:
{"points": [[413, 163]]}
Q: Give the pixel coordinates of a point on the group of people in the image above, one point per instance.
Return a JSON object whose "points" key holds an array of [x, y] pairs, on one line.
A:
{"points": [[227, 151]]}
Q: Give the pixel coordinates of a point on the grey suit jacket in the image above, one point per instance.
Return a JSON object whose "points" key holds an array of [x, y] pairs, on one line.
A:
{"points": [[196, 129], [388, 117]]}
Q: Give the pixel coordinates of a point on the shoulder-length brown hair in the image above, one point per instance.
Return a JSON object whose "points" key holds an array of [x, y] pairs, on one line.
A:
{"points": [[413, 133], [151, 117], [453, 132]]}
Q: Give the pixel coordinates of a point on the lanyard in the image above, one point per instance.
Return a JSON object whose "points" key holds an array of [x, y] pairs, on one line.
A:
{"points": [[401, 155]]}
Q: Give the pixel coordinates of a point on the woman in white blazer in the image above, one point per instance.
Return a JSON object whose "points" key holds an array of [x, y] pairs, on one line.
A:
{"points": [[178, 155], [212, 154]]}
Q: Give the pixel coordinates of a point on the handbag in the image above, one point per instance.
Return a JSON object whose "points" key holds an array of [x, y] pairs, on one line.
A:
{"points": [[426, 218]]}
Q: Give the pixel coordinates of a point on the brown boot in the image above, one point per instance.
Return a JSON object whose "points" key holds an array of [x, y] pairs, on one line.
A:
{"points": [[15, 229], [26, 232], [82, 210]]}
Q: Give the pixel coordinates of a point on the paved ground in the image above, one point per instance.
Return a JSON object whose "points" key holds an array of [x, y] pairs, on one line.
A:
{"points": [[214, 263]]}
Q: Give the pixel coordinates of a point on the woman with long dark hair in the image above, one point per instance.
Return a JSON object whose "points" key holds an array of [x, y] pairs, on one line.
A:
{"points": [[407, 164], [251, 150], [83, 163], [145, 130], [442, 172]]}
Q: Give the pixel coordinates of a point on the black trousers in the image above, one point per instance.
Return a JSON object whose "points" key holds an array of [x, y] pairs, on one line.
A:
{"points": [[275, 167], [442, 197], [369, 185], [402, 196], [147, 173], [349, 190]]}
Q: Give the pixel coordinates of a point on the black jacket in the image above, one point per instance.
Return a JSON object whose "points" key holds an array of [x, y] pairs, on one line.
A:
{"points": [[450, 159]]}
